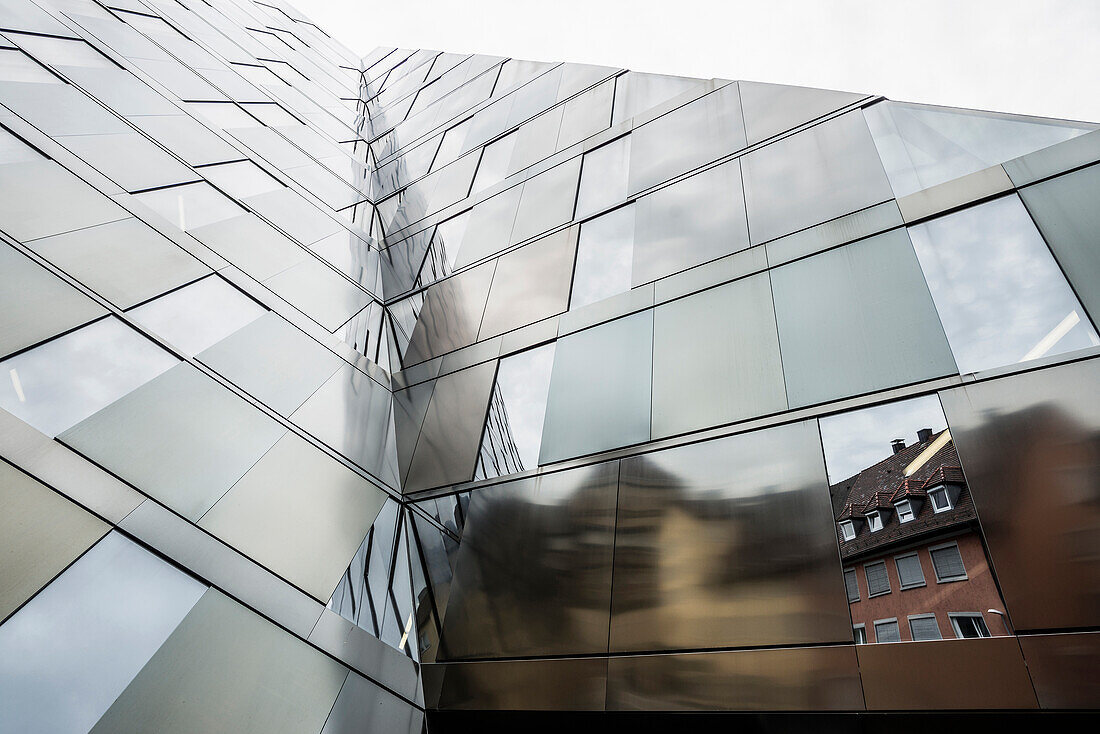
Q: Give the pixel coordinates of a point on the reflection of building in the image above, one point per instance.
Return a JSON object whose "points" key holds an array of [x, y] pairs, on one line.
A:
{"points": [[915, 566]]}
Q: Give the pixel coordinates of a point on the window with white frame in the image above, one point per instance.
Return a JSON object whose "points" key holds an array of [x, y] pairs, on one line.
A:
{"points": [[905, 511], [874, 521], [886, 630], [878, 582], [848, 528], [941, 499], [924, 627], [851, 585], [859, 631], [968, 625], [910, 573], [947, 563]]}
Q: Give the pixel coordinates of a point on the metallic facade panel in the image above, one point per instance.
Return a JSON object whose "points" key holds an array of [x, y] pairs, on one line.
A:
{"points": [[566, 684], [697, 133], [1027, 445], [530, 284], [451, 314], [227, 668], [319, 292], [489, 228], [180, 438], [533, 573], [689, 223], [354, 415], [43, 533], [547, 200], [1065, 210], [728, 543], [817, 174], [35, 304], [599, 389], [984, 673], [364, 707], [298, 512], [770, 109], [276, 363], [784, 679], [126, 261], [1063, 669], [716, 358], [857, 319], [366, 653], [447, 448]]}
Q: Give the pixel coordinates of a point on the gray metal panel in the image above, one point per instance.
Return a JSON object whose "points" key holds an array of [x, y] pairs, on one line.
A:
{"points": [[987, 673], [319, 292], [447, 449], [126, 262], [251, 244], [792, 679], [451, 314], [690, 222], [364, 707], [67, 654], [129, 159], [603, 177], [294, 215], [298, 512], [530, 284], [953, 194], [547, 200], [43, 533], [716, 358], [353, 414], [568, 684], [1066, 212], [225, 668], [770, 109], [59, 109], [180, 438], [71, 474], [820, 173], [728, 543], [35, 304], [600, 389], [857, 319], [489, 227], [837, 231], [409, 408], [365, 653], [275, 362], [1028, 446], [1060, 157], [697, 133], [1063, 669], [533, 574]]}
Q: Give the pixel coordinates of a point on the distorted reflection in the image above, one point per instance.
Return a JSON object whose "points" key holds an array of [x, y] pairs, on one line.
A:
{"points": [[443, 249], [922, 145], [605, 253], [513, 428], [1000, 294], [915, 564], [60, 383]]}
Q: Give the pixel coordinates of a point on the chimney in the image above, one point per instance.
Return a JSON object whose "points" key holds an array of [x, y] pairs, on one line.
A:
{"points": [[897, 444], [924, 434]]}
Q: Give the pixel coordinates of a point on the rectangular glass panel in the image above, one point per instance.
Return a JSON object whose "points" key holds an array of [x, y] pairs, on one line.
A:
{"points": [[603, 177], [513, 428], [605, 253], [600, 389], [547, 201], [1000, 294]]}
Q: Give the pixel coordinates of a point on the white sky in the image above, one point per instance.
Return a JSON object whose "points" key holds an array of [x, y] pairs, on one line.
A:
{"points": [[1036, 57]]}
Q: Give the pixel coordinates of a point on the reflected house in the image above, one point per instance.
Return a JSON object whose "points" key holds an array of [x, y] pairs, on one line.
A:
{"points": [[915, 565]]}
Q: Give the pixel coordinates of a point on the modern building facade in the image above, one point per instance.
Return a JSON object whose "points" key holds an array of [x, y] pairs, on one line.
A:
{"points": [[439, 390]]}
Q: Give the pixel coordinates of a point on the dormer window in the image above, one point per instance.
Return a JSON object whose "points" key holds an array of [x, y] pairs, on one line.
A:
{"points": [[874, 521], [848, 529], [905, 511], [941, 499]]}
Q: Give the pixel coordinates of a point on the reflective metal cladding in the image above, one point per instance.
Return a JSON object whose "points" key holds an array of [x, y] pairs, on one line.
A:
{"points": [[338, 393]]}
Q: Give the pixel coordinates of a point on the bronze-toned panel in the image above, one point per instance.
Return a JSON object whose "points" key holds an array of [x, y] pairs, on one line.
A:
{"points": [[1065, 669], [788, 679], [533, 574], [1030, 447], [728, 543], [984, 673], [569, 684]]}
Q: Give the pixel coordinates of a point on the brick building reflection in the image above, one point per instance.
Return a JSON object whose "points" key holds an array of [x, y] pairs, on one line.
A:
{"points": [[915, 564]]}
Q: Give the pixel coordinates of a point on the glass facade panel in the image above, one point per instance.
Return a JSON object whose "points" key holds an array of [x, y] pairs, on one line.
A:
{"points": [[513, 428], [605, 255], [603, 177], [1000, 294]]}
